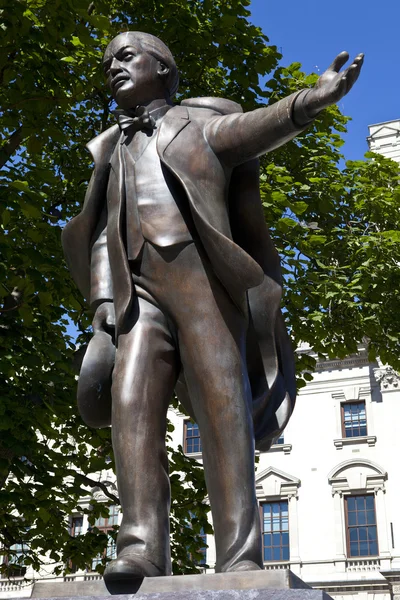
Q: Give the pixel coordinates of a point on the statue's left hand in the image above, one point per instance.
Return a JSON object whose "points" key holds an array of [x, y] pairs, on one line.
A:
{"points": [[333, 84]]}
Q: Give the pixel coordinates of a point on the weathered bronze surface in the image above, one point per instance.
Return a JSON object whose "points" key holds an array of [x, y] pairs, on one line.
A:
{"points": [[172, 252]]}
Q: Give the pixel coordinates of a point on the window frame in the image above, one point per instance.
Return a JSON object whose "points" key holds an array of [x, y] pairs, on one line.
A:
{"points": [[270, 502], [17, 569], [348, 526], [186, 422], [73, 529], [346, 404], [74, 532]]}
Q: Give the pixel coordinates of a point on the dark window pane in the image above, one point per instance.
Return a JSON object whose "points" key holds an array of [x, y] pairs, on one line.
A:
{"points": [[362, 534], [354, 549], [360, 502], [362, 518], [276, 553], [353, 535], [364, 549], [276, 539], [351, 503], [373, 549], [285, 553], [352, 518], [369, 503], [267, 554]]}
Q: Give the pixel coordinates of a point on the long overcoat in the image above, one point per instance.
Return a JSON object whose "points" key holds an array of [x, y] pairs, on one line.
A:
{"points": [[211, 147]]}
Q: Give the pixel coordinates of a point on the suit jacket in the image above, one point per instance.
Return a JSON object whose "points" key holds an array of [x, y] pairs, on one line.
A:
{"points": [[211, 147]]}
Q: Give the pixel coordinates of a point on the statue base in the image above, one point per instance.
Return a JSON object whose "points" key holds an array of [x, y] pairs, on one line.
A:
{"points": [[244, 585]]}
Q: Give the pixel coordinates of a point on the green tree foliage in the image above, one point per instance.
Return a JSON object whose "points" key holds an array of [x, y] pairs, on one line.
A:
{"points": [[53, 101], [336, 229]]}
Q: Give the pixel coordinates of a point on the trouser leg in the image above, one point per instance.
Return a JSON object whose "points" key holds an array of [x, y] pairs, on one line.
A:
{"points": [[211, 334], [143, 381], [219, 390], [212, 348]]}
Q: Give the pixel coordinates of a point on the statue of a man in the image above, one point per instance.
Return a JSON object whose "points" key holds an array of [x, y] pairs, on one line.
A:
{"points": [[172, 251]]}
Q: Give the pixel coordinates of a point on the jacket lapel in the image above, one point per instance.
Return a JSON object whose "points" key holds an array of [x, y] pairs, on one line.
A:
{"points": [[174, 121], [102, 146]]}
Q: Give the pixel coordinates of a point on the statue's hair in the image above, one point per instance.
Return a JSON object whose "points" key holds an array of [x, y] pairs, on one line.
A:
{"points": [[153, 45]]}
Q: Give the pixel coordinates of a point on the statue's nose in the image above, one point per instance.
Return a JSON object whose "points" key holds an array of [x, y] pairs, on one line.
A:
{"points": [[115, 66]]}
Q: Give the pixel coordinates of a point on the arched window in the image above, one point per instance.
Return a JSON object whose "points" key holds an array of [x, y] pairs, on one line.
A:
{"points": [[358, 489]]}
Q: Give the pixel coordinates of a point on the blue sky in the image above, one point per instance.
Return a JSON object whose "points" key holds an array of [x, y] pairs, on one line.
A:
{"points": [[313, 32]]}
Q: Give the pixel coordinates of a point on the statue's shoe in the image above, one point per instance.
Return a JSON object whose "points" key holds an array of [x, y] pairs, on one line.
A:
{"points": [[244, 565], [125, 574]]}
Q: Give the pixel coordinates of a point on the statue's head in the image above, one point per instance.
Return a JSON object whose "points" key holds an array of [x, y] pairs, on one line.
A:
{"points": [[139, 68]]}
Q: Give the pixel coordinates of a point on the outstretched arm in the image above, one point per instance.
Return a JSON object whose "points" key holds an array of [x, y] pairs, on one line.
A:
{"points": [[238, 137]]}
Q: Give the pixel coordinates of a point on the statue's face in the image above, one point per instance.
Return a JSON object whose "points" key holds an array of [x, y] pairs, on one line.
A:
{"points": [[132, 75]]}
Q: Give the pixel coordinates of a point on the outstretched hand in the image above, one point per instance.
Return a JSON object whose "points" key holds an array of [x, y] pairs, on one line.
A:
{"points": [[333, 84]]}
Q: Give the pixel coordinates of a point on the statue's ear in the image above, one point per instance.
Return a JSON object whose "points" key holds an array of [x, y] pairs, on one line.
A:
{"points": [[162, 70]]}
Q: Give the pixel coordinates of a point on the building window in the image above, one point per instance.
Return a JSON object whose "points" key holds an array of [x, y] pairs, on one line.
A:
{"points": [[13, 561], [106, 525], [275, 529], [76, 526], [75, 530], [191, 435], [280, 439], [362, 538], [354, 420]]}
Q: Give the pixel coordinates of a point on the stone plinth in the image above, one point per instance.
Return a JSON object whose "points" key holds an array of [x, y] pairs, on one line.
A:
{"points": [[246, 585]]}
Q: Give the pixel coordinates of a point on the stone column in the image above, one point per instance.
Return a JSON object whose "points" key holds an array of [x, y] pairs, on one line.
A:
{"points": [[340, 532], [294, 534], [381, 523]]}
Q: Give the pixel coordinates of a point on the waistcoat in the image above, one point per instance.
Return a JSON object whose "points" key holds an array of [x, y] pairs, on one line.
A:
{"points": [[156, 209]]}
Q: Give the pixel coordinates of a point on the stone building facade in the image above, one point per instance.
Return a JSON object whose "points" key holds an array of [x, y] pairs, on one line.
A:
{"points": [[384, 138]]}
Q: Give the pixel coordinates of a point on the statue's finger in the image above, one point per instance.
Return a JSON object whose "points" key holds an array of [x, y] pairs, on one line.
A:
{"points": [[342, 86], [352, 74], [339, 61], [359, 59], [358, 62]]}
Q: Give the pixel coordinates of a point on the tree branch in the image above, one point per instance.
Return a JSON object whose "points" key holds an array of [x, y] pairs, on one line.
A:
{"points": [[92, 483]]}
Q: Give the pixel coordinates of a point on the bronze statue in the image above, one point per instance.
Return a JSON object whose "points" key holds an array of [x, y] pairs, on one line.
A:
{"points": [[172, 252]]}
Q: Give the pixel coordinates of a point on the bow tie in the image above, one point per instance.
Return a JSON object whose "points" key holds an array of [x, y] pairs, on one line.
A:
{"points": [[135, 120]]}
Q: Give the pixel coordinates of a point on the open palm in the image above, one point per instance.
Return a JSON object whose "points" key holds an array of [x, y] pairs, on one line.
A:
{"points": [[333, 83]]}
